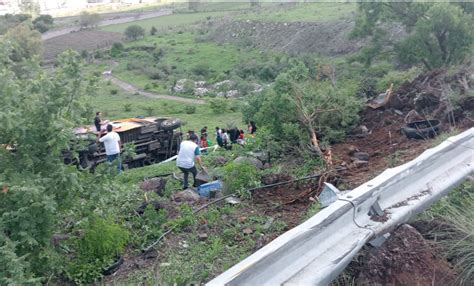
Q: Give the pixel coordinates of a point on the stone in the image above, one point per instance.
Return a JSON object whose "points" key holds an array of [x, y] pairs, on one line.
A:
{"points": [[396, 111], [247, 230], [154, 184], [360, 163], [413, 116], [186, 196], [202, 236], [363, 156], [351, 149], [254, 161]]}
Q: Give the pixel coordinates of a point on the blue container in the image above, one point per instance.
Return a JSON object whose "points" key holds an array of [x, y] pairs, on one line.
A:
{"points": [[208, 190]]}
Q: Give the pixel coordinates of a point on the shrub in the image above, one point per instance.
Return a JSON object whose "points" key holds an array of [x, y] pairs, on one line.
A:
{"points": [[201, 69], [127, 107], [153, 30], [113, 91], [117, 49], [190, 109], [102, 242], [397, 78], [89, 20], [149, 110], [134, 32], [240, 176], [219, 105]]}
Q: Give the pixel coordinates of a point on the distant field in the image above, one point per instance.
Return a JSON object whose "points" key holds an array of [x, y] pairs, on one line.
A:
{"points": [[123, 105], [304, 12], [166, 21], [184, 53]]}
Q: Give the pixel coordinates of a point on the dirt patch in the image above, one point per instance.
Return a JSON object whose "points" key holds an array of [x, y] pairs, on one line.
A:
{"points": [[79, 41], [406, 258]]}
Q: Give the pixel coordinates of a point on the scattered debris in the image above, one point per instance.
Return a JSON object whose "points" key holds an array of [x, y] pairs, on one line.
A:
{"points": [[382, 99], [363, 156], [247, 230], [202, 236], [233, 200], [187, 195]]}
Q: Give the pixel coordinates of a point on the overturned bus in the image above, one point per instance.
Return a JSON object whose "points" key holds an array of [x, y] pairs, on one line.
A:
{"points": [[155, 139]]}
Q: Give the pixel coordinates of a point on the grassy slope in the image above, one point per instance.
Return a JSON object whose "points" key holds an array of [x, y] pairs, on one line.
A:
{"points": [[308, 12], [166, 21], [113, 107]]}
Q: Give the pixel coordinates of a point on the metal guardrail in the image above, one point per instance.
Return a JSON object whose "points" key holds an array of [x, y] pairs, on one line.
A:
{"points": [[316, 251]]}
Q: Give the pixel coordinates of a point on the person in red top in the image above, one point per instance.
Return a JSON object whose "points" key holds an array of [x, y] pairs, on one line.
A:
{"points": [[241, 134]]}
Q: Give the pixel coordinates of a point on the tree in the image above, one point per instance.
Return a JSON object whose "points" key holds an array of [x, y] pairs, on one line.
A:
{"points": [[441, 38], [89, 20], [26, 43], [38, 112], [134, 32], [440, 34], [153, 30], [43, 23]]}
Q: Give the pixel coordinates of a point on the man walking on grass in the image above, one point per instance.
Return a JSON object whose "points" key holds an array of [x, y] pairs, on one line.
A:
{"points": [[112, 146], [188, 153]]}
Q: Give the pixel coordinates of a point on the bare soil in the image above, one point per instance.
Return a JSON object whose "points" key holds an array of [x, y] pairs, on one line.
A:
{"points": [[406, 258], [88, 40]]}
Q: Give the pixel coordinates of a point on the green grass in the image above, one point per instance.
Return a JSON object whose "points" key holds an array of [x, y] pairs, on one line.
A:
{"points": [[166, 21], [308, 12], [183, 53], [125, 105]]}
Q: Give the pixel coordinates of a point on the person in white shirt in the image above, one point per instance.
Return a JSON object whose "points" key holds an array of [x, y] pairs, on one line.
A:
{"points": [[188, 153], [112, 146]]}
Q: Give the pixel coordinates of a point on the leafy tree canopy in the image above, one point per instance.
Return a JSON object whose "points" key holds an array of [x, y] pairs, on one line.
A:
{"points": [[440, 34]]}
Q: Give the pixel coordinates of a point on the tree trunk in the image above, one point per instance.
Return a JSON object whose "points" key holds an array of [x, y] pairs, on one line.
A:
{"points": [[314, 139]]}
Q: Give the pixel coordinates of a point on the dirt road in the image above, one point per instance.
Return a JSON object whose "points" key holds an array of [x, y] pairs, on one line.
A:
{"points": [[133, 89], [109, 21]]}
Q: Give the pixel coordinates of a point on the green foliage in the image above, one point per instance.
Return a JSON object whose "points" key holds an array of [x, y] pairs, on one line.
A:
{"points": [[43, 23], [397, 78], [13, 268], [240, 176], [190, 109], [456, 237], [89, 20], [38, 114], [442, 37], [102, 242], [134, 32], [25, 45], [153, 30], [127, 107], [440, 33], [113, 91], [117, 49], [219, 105]]}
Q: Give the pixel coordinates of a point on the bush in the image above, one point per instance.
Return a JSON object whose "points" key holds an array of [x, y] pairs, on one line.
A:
{"points": [[153, 30], [117, 49], [190, 109], [102, 242], [154, 73], [397, 78], [201, 69], [134, 32], [240, 176], [219, 105], [113, 91], [127, 107], [89, 20], [149, 110]]}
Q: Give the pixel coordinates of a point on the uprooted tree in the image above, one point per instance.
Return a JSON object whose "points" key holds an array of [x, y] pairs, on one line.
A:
{"points": [[300, 111], [440, 34]]}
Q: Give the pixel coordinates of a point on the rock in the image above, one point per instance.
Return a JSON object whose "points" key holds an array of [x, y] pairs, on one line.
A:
{"points": [[220, 161], [351, 149], [254, 161], [360, 163], [267, 166], [202, 236], [396, 111], [363, 156], [360, 131], [232, 93], [268, 224], [247, 230], [200, 91], [154, 184], [186, 196]]}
